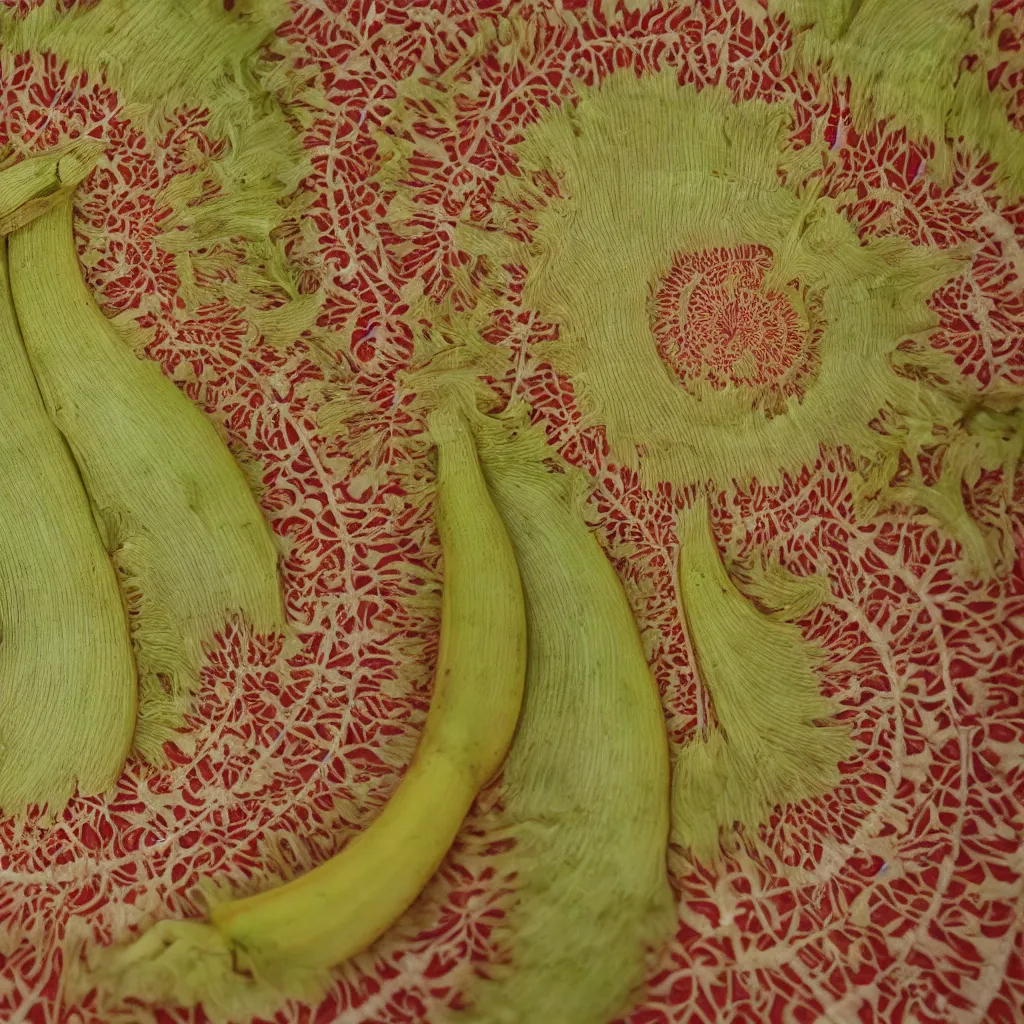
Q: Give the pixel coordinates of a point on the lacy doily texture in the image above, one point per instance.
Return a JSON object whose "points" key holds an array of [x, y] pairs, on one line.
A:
{"points": [[444, 148]]}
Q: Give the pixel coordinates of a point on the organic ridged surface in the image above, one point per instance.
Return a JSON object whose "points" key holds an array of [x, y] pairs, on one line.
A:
{"points": [[256, 950], [67, 678], [159, 51], [25, 181], [897, 892], [162, 55], [586, 785], [925, 63], [651, 172], [31, 186], [720, 318], [766, 748], [660, 188], [185, 533]]}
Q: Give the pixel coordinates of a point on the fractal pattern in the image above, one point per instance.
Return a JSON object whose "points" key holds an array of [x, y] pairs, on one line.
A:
{"points": [[896, 896]]}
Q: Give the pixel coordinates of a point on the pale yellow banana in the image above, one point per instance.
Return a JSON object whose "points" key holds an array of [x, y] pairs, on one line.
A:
{"points": [[252, 950], [67, 678], [186, 535]]}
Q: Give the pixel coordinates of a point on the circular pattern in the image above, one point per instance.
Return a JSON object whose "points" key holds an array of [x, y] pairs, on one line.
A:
{"points": [[898, 898], [713, 319], [626, 204]]}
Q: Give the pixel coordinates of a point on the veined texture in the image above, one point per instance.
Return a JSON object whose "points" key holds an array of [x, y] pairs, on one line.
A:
{"points": [[901, 887], [185, 533], [255, 951], [585, 787], [683, 218], [720, 317], [767, 746], [722, 320], [160, 52], [164, 54], [908, 60], [33, 185], [67, 677]]}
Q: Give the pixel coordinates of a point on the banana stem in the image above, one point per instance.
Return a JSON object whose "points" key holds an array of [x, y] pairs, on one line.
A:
{"points": [[31, 187]]}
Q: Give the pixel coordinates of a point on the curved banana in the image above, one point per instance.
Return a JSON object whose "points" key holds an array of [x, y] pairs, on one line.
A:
{"points": [[585, 789], [67, 677], [252, 951], [187, 537]]}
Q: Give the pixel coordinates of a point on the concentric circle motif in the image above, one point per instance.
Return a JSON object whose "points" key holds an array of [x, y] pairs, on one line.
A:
{"points": [[898, 897], [697, 200], [713, 319]]}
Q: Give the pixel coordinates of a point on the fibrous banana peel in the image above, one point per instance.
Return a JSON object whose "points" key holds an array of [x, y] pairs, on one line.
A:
{"points": [[187, 537], [774, 742], [586, 786], [251, 952], [67, 677]]}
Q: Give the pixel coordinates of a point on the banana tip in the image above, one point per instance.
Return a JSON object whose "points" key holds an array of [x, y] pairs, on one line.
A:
{"points": [[446, 422], [77, 163]]}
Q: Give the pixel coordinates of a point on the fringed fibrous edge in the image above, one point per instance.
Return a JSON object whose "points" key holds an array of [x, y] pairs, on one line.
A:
{"points": [[780, 594], [188, 963], [543, 867], [976, 433], [878, 49], [771, 743], [170, 664], [234, 220], [454, 362], [921, 393], [452, 359], [170, 657], [33, 185], [173, 962]]}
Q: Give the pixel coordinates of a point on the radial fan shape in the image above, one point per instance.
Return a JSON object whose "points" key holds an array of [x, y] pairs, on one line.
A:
{"points": [[686, 221], [651, 172], [722, 320]]}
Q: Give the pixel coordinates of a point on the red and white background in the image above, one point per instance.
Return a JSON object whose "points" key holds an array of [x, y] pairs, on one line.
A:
{"points": [[898, 898]]}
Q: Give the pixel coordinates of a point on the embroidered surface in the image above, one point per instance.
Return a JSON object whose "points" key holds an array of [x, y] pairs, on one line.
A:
{"points": [[897, 894]]}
